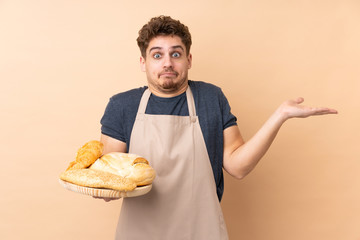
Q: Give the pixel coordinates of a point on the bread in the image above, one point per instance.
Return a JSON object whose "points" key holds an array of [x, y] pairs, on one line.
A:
{"points": [[129, 166], [118, 171], [87, 155], [98, 179]]}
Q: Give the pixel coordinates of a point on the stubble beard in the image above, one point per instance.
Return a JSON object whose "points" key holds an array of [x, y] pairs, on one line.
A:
{"points": [[169, 85]]}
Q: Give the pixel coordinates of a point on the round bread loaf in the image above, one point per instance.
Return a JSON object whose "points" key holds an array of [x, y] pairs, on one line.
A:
{"points": [[130, 166]]}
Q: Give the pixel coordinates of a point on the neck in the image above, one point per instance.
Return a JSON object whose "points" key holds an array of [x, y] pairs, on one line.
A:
{"points": [[167, 93]]}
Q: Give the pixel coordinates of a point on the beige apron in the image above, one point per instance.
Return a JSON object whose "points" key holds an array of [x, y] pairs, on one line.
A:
{"points": [[183, 203]]}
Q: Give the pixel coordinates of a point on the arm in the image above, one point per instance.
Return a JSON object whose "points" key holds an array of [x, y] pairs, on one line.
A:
{"points": [[240, 157], [112, 144]]}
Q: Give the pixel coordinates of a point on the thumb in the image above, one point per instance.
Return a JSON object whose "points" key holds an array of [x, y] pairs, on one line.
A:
{"points": [[299, 100]]}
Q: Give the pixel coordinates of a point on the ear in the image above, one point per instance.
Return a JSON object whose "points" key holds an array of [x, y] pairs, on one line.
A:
{"points": [[189, 60], [142, 64]]}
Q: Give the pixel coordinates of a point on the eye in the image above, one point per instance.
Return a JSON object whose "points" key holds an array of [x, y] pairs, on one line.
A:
{"points": [[176, 55], [157, 55]]}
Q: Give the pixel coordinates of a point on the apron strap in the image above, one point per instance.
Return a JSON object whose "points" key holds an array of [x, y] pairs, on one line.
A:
{"points": [[190, 102], [189, 98], [144, 100]]}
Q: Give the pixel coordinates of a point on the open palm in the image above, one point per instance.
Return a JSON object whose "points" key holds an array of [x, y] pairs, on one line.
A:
{"points": [[293, 109]]}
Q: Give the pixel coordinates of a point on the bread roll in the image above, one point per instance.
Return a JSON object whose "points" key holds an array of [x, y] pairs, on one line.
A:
{"points": [[129, 166]]}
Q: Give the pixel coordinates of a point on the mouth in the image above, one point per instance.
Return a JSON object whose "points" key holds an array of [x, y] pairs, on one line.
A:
{"points": [[168, 74]]}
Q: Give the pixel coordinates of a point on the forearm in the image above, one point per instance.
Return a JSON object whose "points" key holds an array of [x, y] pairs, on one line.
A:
{"points": [[245, 157], [112, 144]]}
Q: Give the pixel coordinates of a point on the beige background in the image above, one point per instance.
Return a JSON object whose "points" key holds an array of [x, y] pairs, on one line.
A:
{"points": [[60, 61]]}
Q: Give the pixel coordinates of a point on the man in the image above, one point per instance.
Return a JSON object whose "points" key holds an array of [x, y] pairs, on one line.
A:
{"points": [[188, 133]]}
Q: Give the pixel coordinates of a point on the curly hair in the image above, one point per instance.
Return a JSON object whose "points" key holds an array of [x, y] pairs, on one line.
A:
{"points": [[163, 26]]}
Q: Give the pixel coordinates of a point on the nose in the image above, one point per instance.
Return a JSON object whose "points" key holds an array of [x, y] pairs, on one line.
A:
{"points": [[167, 61]]}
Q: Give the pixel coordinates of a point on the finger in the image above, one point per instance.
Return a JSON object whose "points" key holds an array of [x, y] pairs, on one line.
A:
{"points": [[299, 100], [105, 198], [110, 199], [331, 111], [323, 111]]}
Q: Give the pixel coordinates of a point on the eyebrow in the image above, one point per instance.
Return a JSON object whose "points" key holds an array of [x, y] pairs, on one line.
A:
{"points": [[159, 48]]}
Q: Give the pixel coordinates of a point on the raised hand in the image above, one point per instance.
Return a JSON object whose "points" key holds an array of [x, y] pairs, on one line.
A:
{"points": [[293, 109]]}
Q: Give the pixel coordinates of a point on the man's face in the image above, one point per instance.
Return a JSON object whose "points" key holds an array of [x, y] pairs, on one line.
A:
{"points": [[166, 66]]}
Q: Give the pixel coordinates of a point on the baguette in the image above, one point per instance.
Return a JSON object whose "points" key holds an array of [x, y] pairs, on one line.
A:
{"points": [[98, 179]]}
